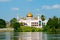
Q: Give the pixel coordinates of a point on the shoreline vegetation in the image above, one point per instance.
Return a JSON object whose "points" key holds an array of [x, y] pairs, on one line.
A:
{"points": [[6, 29], [53, 26]]}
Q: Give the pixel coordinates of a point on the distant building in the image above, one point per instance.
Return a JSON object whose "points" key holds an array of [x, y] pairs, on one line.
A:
{"points": [[32, 21]]}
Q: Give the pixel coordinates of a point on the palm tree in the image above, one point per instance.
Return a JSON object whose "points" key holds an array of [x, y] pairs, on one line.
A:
{"points": [[42, 17]]}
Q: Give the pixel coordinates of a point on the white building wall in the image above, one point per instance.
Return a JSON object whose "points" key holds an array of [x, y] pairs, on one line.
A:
{"points": [[29, 22]]}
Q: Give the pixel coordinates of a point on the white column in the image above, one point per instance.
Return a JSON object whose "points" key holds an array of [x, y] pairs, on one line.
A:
{"points": [[41, 23], [38, 21]]}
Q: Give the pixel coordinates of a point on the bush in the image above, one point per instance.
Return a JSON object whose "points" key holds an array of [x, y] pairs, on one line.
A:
{"points": [[12, 21], [16, 26], [29, 29]]}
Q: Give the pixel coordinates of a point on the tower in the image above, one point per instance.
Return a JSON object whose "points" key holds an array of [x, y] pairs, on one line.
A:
{"points": [[39, 21], [39, 17]]}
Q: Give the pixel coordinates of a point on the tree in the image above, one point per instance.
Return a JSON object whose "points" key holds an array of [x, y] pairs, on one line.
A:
{"points": [[55, 23], [59, 23], [42, 17], [21, 24], [16, 27], [12, 21], [52, 24], [2, 23]]}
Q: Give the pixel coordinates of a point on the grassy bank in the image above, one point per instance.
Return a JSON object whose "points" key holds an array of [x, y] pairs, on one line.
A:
{"points": [[30, 29], [6, 29]]}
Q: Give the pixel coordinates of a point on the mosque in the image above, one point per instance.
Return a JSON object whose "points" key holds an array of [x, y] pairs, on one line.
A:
{"points": [[33, 22]]}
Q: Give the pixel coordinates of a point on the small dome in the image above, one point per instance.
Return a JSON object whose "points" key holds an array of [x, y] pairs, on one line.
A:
{"points": [[35, 18], [23, 18], [29, 15]]}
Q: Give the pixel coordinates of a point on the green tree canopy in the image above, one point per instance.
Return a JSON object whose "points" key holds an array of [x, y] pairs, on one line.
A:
{"points": [[53, 24], [59, 23], [12, 21], [2, 23], [16, 27], [42, 17]]}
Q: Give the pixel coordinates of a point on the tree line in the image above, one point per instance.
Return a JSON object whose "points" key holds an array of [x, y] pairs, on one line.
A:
{"points": [[53, 25]]}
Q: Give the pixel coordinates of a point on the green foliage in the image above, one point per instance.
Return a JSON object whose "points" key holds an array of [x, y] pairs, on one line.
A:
{"points": [[59, 23], [21, 24], [16, 26], [2, 23], [42, 17], [53, 22], [53, 25], [12, 21], [29, 29], [46, 29]]}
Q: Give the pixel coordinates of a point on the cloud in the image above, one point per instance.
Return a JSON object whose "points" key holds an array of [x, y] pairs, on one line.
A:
{"points": [[37, 9], [56, 6], [29, 0], [46, 7], [15, 9], [4, 0]]}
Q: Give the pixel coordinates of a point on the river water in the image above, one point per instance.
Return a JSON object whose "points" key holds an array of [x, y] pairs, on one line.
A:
{"points": [[28, 36]]}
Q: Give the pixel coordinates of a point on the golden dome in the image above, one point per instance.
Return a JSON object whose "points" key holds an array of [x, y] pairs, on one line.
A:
{"points": [[29, 15]]}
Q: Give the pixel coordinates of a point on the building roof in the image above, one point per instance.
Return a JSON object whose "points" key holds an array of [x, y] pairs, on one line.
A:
{"points": [[29, 14]]}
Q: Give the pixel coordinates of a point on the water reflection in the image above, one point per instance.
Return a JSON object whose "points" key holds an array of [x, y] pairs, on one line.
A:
{"points": [[5, 36], [28, 36]]}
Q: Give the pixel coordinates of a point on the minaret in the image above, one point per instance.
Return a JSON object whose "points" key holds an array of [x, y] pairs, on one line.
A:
{"points": [[38, 21], [38, 17]]}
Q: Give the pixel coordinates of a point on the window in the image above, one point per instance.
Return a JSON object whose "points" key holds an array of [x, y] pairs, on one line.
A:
{"points": [[43, 23], [39, 23], [34, 23]]}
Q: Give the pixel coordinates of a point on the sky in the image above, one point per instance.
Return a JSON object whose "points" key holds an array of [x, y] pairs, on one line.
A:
{"points": [[11, 8]]}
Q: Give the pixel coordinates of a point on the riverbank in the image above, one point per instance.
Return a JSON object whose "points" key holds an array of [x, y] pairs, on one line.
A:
{"points": [[30, 29], [22, 29], [6, 29]]}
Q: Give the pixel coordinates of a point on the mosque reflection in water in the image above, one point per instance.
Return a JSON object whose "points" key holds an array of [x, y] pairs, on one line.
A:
{"points": [[28, 36]]}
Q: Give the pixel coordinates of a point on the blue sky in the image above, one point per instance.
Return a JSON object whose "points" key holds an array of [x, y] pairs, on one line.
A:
{"points": [[10, 8]]}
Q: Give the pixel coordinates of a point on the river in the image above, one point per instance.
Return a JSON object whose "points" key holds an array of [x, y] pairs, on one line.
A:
{"points": [[28, 36]]}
